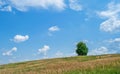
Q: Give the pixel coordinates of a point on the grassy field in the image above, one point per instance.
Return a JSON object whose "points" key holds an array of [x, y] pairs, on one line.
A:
{"points": [[103, 64]]}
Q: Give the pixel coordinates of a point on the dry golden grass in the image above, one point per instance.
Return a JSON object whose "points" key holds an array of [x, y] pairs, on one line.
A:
{"points": [[62, 65]]}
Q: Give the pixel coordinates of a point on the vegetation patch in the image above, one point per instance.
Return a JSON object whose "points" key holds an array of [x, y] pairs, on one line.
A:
{"points": [[102, 64]]}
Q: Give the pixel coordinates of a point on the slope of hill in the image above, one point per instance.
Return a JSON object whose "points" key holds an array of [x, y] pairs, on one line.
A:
{"points": [[103, 64]]}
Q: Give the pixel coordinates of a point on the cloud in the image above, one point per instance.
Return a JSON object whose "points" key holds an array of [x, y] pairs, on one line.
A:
{"points": [[5, 7], [9, 53], [75, 5], [112, 22], [58, 54], [44, 50], [20, 38], [113, 40], [100, 51], [114, 44], [25, 5], [54, 28], [109, 46]]}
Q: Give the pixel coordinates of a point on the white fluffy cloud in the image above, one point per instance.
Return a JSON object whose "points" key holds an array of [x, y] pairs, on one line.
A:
{"points": [[20, 38], [4, 7], [75, 5], [24, 5], [54, 28], [112, 24], [44, 50], [9, 53], [114, 40], [58, 54], [110, 46], [101, 50], [114, 44]]}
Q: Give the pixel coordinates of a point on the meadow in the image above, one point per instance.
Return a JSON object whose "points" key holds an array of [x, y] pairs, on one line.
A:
{"points": [[101, 64]]}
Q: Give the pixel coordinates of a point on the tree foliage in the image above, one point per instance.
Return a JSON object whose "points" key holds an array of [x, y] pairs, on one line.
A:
{"points": [[81, 49]]}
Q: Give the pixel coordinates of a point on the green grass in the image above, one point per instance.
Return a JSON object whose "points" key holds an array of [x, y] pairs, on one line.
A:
{"points": [[97, 70], [102, 64]]}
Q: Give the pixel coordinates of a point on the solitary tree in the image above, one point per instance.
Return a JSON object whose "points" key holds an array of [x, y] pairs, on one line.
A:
{"points": [[81, 49]]}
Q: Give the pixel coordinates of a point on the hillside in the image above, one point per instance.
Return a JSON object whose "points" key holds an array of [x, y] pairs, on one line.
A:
{"points": [[103, 64]]}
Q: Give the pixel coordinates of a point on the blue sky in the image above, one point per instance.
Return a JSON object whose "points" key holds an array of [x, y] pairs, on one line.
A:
{"points": [[40, 29]]}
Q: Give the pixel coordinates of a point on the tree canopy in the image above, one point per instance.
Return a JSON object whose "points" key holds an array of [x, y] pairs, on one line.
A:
{"points": [[82, 49]]}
